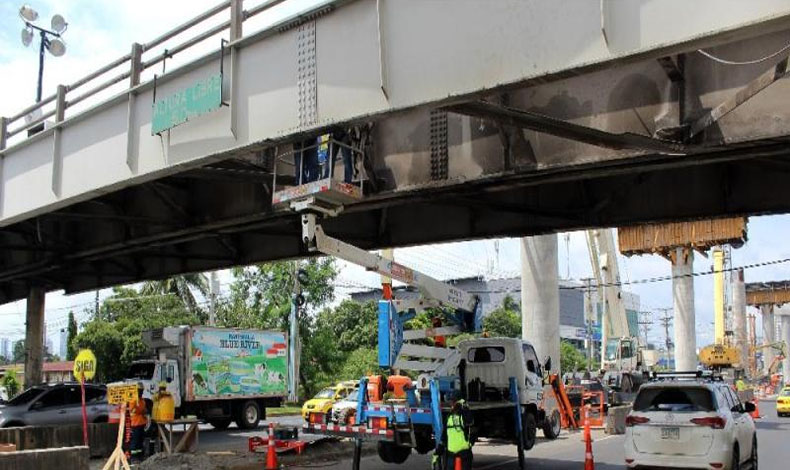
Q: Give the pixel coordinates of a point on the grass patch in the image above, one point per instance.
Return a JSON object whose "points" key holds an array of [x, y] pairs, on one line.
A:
{"points": [[284, 411]]}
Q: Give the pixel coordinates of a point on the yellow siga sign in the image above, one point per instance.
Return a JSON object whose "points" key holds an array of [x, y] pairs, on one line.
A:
{"points": [[85, 363]]}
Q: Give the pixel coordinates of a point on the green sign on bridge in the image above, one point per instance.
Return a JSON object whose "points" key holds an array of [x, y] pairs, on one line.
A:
{"points": [[203, 97]]}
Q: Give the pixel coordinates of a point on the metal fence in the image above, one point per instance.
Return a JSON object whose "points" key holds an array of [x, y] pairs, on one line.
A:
{"points": [[135, 63]]}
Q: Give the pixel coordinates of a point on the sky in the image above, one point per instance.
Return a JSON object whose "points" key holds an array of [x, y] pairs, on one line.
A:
{"points": [[101, 31]]}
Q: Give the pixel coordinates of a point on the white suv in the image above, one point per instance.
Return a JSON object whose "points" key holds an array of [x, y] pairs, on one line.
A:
{"points": [[695, 423]]}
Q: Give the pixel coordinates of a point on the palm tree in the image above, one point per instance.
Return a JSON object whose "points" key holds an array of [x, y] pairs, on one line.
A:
{"points": [[182, 286]]}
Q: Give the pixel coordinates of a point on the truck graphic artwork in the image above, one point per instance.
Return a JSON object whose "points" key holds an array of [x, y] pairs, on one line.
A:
{"points": [[247, 362]]}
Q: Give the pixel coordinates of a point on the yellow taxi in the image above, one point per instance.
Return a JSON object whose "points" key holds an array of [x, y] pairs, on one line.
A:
{"points": [[783, 402], [322, 402]]}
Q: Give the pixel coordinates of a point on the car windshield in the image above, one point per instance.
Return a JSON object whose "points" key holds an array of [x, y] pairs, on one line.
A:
{"points": [[785, 393], [675, 399], [325, 393], [26, 396], [142, 370], [353, 396]]}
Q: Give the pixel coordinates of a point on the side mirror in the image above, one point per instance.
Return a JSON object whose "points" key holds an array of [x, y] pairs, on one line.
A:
{"points": [[547, 364], [749, 407]]}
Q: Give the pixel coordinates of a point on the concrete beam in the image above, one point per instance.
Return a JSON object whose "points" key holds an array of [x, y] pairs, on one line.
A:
{"points": [[540, 298], [768, 293], [34, 336]]}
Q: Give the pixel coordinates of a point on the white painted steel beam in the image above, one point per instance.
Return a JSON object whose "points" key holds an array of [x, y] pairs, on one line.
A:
{"points": [[362, 58]]}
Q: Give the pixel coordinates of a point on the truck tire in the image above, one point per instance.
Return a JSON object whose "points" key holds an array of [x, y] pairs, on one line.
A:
{"points": [[552, 425], [220, 424], [391, 453], [529, 432], [248, 416]]}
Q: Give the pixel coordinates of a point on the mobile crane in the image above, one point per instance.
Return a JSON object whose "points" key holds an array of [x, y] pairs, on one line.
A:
{"points": [[621, 357]]}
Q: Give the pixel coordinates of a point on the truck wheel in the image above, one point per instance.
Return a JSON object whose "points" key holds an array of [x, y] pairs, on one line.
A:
{"points": [[529, 430], [391, 453], [219, 424], [249, 415], [552, 425]]}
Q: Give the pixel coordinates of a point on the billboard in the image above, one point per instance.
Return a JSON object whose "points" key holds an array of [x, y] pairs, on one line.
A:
{"points": [[238, 362]]}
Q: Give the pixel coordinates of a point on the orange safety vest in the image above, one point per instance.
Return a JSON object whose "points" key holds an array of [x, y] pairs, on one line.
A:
{"points": [[138, 412]]}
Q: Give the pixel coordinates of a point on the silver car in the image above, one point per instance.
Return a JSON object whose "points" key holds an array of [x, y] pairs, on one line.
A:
{"points": [[55, 404]]}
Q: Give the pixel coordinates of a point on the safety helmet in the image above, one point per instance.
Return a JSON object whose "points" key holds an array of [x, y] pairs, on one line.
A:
{"points": [[140, 387], [162, 385]]}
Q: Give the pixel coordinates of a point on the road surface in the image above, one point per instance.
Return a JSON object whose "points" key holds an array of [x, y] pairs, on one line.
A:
{"points": [[567, 452]]}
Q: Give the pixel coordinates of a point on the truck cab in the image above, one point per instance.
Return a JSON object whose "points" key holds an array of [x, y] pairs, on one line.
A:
{"points": [[492, 361], [151, 372]]}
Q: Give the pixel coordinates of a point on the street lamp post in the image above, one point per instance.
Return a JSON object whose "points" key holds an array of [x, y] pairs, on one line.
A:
{"points": [[50, 39]]}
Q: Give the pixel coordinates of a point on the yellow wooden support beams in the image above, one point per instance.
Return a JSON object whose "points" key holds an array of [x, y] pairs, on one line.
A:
{"points": [[768, 293], [700, 235]]}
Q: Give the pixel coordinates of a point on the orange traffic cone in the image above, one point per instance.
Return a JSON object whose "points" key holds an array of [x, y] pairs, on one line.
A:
{"points": [[756, 412], [271, 452], [589, 462], [458, 464]]}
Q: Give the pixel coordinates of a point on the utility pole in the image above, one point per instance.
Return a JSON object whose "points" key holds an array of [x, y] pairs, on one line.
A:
{"points": [[666, 322], [645, 322], [213, 289], [589, 320]]}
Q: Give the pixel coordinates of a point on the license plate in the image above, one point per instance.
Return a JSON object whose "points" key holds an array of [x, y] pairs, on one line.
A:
{"points": [[670, 433]]}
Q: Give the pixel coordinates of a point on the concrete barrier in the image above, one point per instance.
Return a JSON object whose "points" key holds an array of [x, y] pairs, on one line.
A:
{"points": [[101, 437], [72, 458], [615, 419]]}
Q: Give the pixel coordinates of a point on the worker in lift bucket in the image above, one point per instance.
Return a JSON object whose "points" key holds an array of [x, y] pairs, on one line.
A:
{"points": [[459, 444], [138, 413]]}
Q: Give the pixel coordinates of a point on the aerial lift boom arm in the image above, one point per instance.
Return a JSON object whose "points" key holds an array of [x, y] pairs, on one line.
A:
{"points": [[435, 293]]}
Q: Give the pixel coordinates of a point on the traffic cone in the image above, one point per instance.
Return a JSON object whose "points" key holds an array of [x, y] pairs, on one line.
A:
{"points": [[589, 462], [271, 452], [756, 412], [458, 464]]}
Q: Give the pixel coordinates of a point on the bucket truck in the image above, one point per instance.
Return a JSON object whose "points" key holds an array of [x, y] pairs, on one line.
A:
{"points": [[500, 378]]}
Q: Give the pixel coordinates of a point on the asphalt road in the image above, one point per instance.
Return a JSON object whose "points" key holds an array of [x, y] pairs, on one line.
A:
{"points": [[567, 452]]}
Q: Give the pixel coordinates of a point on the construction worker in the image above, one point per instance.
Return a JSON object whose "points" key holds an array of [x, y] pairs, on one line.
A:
{"points": [[138, 413], [459, 444], [740, 385]]}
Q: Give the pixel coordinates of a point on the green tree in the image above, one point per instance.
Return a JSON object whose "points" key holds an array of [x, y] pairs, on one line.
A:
{"points": [[19, 351], [571, 359], [71, 333], [10, 382], [504, 321], [353, 325], [183, 287], [361, 362]]}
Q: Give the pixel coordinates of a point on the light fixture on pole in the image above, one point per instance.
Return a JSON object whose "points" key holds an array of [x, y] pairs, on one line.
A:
{"points": [[51, 39]]}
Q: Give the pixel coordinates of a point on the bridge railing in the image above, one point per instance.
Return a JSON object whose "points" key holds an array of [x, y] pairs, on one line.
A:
{"points": [[34, 117]]}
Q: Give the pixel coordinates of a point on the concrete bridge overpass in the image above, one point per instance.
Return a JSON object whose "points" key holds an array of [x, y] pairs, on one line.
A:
{"points": [[485, 119]]}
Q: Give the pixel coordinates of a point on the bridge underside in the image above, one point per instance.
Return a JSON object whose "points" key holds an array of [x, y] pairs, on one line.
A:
{"points": [[634, 141]]}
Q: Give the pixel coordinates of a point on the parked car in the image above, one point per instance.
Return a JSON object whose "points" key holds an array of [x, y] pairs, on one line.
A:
{"points": [[695, 423], [322, 402], [346, 408], [783, 402], [55, 404]]}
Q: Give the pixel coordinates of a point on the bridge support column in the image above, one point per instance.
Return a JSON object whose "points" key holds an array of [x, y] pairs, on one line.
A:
{"points": [[683, 300], [540, 297], [34, 336], [769, 335], [739, 318], [786, 338]]}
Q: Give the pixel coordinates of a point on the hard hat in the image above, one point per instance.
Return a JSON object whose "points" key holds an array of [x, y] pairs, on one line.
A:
{"points": [[162, 385], [140, 386]]}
